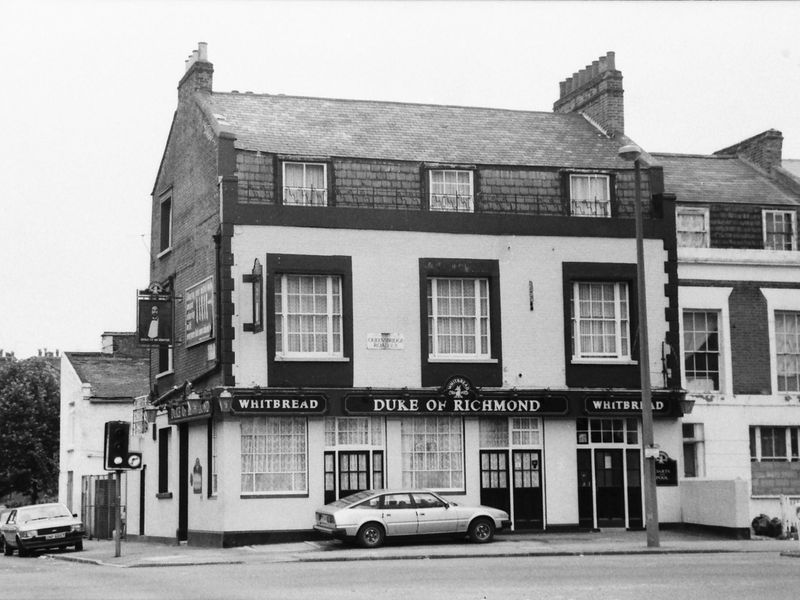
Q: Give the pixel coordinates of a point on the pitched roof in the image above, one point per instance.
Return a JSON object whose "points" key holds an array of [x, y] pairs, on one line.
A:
{"points": [[111, 376], [718, 179], [414, 132]]}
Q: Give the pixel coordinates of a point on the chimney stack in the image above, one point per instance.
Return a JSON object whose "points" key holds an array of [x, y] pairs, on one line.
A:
{"points": [[199, 73], [596, 92], [764, 150]]}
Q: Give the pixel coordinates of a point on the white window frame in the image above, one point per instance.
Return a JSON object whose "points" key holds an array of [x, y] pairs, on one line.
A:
{"points": [[697, 386], [778, 389], [789, 456], [622, 325], [597, 207], [164, 250], [373, 429], [691, 210], [433, 445], [306, 191], [766, 213], [778, 300], [445, 202], [698, 441], [282, 317], [509, 432], [269, 450], [434, 320]]}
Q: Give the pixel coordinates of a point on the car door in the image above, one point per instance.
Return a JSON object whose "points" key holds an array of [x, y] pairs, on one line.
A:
{"points": [[399, 514], [433, 514]]}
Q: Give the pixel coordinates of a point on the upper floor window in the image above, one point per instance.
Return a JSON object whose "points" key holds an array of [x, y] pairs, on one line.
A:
{"points": [[779, 230], [458, 318], [451, 190], [701, 355], [305, 184], [308, 316], [787, 349], [692, 227], [600, 321], [590, 195], [165, 239]]}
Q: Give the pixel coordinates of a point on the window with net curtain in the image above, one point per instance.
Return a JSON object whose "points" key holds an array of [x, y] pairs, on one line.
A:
{"points": [[458, 317], [274, 456], [701, 350], [308, 315], [692, 227], [779, 230], [451, 190], [305, 184], [600, 321], [432, 452], [787, 348], [590, 195]]}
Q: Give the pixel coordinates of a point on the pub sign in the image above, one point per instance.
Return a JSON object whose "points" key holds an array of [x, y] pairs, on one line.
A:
{"points": [[199, 302], [154, 319]]}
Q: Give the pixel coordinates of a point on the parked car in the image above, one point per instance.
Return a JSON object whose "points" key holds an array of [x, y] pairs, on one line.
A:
{"points": [[41, 526], [369, 517], [4, 512]]}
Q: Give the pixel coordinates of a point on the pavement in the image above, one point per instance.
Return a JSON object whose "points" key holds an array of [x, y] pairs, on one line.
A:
{"points": [[136, 554]]}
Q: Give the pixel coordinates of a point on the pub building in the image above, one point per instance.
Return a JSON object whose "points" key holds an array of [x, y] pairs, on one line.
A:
{"points": [[381, 295]]}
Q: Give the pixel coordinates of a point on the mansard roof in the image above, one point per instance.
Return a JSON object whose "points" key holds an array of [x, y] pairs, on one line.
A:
{"points": [[323, 127], [707, 179], [112, 376]]}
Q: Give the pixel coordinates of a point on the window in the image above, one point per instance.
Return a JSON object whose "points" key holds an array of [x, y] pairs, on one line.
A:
{"points": [[774, 443], [432, 451], [166, 225], [692, 227], [600, 321], [458, 318], [701, 355], [353, 431], [305, 184], [308, 316], [273, 455], [608, 431], [520, 431], [590, 195], [451, 190], [693, 450], [787, 347], [779, 230], [212, 449], [164, 435]]}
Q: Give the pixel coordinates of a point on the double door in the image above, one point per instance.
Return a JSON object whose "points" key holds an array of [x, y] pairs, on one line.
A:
{"points": [[511, 481], [351, 471], [609, 488]]}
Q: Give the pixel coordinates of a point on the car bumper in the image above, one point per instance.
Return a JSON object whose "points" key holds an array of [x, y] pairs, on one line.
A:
{"points": [[505, 523], [337, 532], [38, 543]]}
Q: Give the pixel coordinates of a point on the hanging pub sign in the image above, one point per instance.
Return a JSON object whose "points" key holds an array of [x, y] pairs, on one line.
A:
{"points": [[154, 317], [199, 303], [666, 470], [277, 403]]}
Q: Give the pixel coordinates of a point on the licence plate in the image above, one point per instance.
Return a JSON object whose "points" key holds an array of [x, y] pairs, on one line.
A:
{"points": [[55, 536]]}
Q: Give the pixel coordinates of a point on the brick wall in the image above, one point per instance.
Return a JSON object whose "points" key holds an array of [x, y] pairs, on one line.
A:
{"points": [[774, 478], [749, 340]]}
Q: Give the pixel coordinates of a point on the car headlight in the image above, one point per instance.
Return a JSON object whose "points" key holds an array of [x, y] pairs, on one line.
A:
{"points": [[28, 534], [76, 528]]}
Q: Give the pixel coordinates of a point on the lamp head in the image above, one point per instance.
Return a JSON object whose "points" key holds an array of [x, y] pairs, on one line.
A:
{"points": [[630, 152]]}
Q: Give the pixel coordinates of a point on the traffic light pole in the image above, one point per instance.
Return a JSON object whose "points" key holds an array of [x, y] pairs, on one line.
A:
{"points": [[118, 515]]}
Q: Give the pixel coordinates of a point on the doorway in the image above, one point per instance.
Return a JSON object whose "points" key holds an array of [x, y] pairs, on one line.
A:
{"points": [[354, 456]]}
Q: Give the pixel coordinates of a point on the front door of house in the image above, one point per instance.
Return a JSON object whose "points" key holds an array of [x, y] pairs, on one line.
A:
{"points": [[348, 472], [494, 479], [610, 490], [528, 513]]}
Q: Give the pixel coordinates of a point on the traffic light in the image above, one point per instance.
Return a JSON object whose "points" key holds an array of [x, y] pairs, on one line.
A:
{"points": [[116, 455]]}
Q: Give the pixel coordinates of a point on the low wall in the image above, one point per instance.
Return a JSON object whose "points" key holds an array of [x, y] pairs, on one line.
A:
{"points": [[716, 504]]}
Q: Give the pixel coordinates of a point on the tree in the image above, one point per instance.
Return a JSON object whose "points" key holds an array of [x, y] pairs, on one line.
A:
{"points": [[29, 428]]}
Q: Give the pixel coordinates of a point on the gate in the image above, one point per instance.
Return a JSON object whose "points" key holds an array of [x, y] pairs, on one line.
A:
{"points": [[98, 503]]}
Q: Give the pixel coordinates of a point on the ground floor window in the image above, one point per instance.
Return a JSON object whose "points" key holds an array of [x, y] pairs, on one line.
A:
{"points": [[274, 455], [432, 451], [693, 450], [774, 443]]}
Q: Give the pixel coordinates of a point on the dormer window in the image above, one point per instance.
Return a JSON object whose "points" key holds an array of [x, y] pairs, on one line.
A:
{"points": [[590, 195], [451, 190], [305, 184], [779, 230]]}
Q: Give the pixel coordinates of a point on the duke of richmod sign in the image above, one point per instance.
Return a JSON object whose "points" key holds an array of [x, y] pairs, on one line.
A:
{"points": [[199, 302]]}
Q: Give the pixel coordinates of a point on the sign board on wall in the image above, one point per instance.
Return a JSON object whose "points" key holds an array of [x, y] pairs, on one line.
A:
{"points": [[199, 303], [386, 341], [154, 319], [666, 470]]}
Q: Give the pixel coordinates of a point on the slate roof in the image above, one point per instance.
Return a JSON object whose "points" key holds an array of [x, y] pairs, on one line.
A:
{"points": [[112, 377], [414, 132], [717, 179]]}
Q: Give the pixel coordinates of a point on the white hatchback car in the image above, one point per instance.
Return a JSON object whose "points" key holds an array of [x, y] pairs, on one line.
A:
{"points": [[372, 515]]}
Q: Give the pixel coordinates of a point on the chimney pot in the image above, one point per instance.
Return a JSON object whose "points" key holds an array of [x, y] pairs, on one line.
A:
{"points": [[202, 48]]}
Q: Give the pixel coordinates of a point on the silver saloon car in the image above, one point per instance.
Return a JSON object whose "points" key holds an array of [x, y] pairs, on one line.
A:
{"points": [[41, 526], [369, 517]]}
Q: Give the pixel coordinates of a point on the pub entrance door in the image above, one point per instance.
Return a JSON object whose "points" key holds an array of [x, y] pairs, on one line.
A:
{"points": [[609, 473], [354, 456]]}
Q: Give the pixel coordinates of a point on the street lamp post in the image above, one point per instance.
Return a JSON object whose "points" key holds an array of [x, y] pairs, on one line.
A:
{"points": [[632, 152]]}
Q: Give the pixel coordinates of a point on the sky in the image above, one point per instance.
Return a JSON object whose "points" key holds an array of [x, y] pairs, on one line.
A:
{"points": [[88, 90]]}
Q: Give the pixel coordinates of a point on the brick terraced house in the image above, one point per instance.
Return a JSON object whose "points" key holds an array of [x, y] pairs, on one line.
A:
{"points": [[382, 294], [739, 277]]}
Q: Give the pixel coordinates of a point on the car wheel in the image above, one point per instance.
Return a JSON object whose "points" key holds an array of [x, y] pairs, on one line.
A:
{"points": [[79, 546], [481, 531], [370, 535], [7, 549]]}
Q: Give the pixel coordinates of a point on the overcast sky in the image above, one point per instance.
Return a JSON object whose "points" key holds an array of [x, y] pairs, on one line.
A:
{"points": [[89, 90]]}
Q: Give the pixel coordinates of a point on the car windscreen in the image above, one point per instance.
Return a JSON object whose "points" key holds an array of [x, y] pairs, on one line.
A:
{"points": [[36, 513], [352, 499]]}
